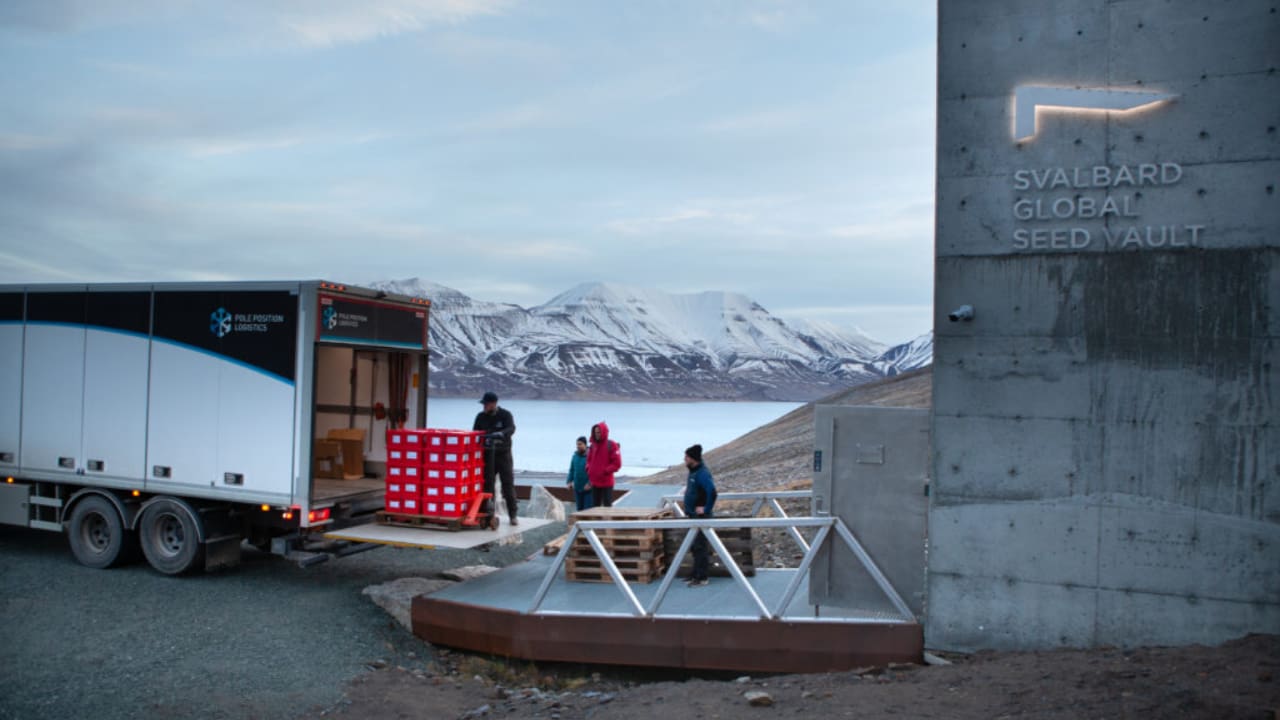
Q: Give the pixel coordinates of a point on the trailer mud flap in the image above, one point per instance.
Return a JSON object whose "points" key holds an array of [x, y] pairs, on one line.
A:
{"points": [[14, 504], [221, 553]]}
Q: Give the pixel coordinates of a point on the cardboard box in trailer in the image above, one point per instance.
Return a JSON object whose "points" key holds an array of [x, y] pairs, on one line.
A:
{"points": [[182, 419]]}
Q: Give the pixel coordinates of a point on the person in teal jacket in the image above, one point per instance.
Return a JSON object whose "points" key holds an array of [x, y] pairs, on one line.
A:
{"points": [[699, 499], [578, 476]]}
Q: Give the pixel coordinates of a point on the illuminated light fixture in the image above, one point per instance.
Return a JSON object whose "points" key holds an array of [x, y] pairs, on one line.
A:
{"points": [[287, 515], [8, 480], [321, 515], [266, 508], [137, 493], [1028, 100], [333, 286]]}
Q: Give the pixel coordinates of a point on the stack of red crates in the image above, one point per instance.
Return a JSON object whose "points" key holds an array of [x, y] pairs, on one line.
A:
{"points": [[434, 472], [404, 472], [452, 471]]}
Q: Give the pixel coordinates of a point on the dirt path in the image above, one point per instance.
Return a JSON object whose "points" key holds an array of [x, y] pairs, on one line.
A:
{"points": [[1239, 679]]}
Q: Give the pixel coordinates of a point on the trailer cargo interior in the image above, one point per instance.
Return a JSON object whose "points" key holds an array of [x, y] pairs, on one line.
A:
{"points": [[182, 419]]}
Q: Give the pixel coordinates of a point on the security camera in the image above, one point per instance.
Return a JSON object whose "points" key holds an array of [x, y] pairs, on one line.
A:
{"points": [[964, 312]]}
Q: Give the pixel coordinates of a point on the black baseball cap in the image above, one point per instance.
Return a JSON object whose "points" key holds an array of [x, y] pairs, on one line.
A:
{"points": [[489, 397]]}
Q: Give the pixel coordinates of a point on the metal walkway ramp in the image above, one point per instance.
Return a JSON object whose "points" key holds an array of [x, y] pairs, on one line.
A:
{"points": [[762, 623]]}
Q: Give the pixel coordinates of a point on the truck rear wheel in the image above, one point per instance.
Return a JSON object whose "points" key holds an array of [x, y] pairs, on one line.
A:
{"points": [[170, 536], [97, 534]]}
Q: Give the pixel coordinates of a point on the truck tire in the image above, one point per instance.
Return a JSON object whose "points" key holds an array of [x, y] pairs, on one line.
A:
{"points": [[170, 537], [98, 535]]}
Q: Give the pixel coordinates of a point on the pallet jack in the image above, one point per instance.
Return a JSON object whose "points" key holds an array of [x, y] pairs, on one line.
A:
{"points": [[474, 519]]}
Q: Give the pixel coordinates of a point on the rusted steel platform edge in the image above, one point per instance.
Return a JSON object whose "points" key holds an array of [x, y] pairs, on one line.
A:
{"points": [[762, 646]]}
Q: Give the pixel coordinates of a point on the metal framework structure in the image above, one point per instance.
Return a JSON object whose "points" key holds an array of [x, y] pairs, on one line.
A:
{"points": [[759, 501], [827, 529]]}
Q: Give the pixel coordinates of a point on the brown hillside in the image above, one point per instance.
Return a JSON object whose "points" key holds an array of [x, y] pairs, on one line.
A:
{"points": [[779, 455]]}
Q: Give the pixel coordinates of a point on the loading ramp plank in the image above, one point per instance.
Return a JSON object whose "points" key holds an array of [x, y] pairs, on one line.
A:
{"points": [[433, 537]]}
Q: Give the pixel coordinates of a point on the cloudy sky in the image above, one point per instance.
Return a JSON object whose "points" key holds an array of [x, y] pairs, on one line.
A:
{"points": [[510, 149]]}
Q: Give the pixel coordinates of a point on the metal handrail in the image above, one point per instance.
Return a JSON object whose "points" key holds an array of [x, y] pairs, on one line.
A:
{"points": [[708, 527], [676, 503]]}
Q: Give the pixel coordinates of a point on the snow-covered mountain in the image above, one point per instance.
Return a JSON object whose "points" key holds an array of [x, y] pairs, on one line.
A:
{"points": [[607, 341], [907, 356]]}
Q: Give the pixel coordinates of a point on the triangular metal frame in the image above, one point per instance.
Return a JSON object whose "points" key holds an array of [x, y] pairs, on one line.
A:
{"points": [[708, 527]]}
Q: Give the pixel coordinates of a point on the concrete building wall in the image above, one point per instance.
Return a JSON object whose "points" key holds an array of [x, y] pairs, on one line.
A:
{"points": [[1107, 458]]}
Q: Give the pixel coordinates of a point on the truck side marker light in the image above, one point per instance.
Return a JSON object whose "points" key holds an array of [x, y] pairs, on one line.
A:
{"points": [[287, 515], [266, 508], [137, 493]]}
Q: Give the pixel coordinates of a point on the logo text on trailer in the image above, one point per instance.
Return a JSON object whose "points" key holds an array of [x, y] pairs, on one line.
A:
{"points": [[223, 322], [220, 322]]}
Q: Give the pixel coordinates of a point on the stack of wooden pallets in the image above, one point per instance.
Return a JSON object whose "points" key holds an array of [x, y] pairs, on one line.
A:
{"points": [[637, 553]]}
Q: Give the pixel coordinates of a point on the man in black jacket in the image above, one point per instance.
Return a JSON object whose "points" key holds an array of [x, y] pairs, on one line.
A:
{"points": [[498, 426]]}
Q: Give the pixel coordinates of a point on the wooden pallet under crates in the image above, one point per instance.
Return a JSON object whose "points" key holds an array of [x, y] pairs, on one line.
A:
{"points": [[638, 554]]}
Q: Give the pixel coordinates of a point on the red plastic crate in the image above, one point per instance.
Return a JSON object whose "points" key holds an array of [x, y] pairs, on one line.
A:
{"points": [[403, 471], [411, 454], [447, 457], [403, 504], [457, 489], [458, 439], [408, 487], [445, 508], [432, 474], [404, 437]]}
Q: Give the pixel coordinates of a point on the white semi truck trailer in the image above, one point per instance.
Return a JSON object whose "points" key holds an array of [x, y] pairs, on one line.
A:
{"points": [[181, 419]]}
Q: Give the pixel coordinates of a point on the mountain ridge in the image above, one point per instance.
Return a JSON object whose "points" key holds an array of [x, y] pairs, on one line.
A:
{"points": [[608, 341]]}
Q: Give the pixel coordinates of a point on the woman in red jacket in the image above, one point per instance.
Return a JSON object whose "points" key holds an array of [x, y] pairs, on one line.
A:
{"points": [[604, 458]]}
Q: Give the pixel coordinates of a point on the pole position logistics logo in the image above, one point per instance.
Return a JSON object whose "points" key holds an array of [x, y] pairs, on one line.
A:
{"points": [[220, 322], [330, 317]]}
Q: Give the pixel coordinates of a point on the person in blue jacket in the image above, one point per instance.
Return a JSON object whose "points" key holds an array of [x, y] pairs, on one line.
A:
{"points": [[578, 476], [699, 499]]}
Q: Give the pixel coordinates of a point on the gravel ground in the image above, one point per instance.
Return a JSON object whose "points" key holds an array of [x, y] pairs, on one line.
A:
{"points": [[265, 640], [1234, 680]]}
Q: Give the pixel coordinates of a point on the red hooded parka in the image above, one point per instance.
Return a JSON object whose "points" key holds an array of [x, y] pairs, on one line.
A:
{"points": [[604, 457]]}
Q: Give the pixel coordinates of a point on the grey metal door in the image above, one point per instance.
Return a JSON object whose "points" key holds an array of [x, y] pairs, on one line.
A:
{"points": [[871, 469]]}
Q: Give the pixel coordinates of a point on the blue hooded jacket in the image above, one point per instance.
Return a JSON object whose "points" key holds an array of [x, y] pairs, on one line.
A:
{"points": [[699, 490], [578, 473]]}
